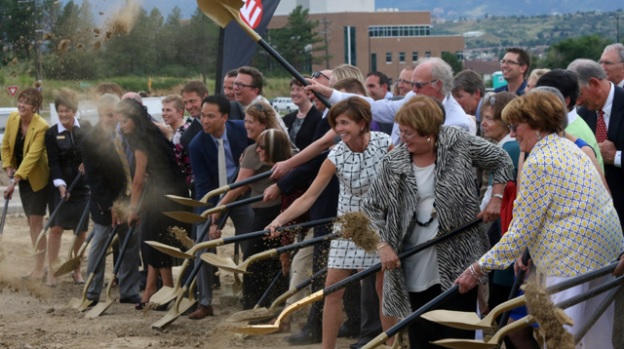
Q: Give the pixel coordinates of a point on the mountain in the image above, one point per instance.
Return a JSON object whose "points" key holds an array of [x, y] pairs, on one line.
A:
{"points": [[453, 9]]}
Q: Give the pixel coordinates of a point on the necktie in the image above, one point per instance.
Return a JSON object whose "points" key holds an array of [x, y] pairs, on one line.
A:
{"points": [[221, 163], [601, 128], [124, 163]]}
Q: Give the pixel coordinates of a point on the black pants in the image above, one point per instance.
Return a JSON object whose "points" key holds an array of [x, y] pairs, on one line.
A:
{"points": [[422, 332]]}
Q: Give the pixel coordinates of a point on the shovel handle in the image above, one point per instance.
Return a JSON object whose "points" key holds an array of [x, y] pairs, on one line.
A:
{"points": [[232, 205], [377, 267], [238, 184], [515, 287], [252, 235], [306, 243]]}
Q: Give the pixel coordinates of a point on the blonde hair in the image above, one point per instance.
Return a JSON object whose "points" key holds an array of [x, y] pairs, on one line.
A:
{"points": [[542, 110], [263, 113], [423, 114]]}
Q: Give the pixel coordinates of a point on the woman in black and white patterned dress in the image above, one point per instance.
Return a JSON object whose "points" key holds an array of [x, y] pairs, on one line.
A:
{"points": [[355, 161]]}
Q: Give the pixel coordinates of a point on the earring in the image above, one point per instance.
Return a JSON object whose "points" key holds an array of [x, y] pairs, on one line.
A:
{"points": [[538, 135], [428, 139]]}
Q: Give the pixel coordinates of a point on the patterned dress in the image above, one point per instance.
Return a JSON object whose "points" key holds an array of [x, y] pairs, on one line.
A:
{"points": [[355, 172], [181, 154]]}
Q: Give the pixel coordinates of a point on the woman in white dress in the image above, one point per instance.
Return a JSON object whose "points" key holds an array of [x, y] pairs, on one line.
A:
{"points": [[355, 160]]}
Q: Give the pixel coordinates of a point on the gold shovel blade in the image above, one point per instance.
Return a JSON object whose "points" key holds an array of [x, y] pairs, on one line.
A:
{"points": [[225, 263], [67, 267], [456, 319], [464, 344], [256, 330], [222, 11], [169, 250], [165, 295], [253, 315], [173, 314], [99, 308], [186, 201]]}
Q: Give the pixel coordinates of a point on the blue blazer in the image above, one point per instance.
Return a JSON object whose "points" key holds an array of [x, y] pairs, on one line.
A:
{"points": [[203, 154]]}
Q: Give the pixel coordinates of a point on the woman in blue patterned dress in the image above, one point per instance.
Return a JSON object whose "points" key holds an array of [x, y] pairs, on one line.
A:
{"points": [[355, 161]]}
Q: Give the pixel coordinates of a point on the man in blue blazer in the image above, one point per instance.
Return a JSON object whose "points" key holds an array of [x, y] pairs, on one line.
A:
{"points": [[203, 152]]}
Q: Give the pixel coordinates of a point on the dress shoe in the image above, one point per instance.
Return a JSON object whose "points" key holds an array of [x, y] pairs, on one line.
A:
{"points": [[134, 299], [305, 337], [346, 332], [201, 312]]}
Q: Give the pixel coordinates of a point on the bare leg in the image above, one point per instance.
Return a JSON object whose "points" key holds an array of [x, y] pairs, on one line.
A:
{"points": [[54, 245], [522, 338], [332, 310], [80, 239], [35, 223], [150, 284], [386, 321], [167, 276]]}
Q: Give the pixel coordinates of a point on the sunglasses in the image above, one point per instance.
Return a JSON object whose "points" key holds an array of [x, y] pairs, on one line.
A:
{"points": [[318, 74], [422, 84]]}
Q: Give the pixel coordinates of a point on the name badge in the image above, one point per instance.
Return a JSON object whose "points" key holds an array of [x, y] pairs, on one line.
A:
{"points": [[60, 137]]}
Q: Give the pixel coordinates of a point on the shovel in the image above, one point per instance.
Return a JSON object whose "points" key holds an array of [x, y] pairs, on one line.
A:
{"points": [[191, 218], [73, 261], [227, 263], [471, 321], [102, 306], [84, 303], [56, 210], [224, 11], [235, 185], [187, 201], [272, 311], [176, 252], [317, 296], [167, 294], [4, 213], [527, 320]]}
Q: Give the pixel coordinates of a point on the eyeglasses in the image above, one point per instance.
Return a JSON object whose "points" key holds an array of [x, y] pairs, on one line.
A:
{"points": [[403, 81], [513, 127], [318, 74], [241, 85], [608, 62], [422, 84], [404, 134], [508, 61]]}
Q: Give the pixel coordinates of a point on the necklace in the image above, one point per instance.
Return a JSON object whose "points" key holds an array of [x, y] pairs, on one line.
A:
{"points": [[434, 214]]}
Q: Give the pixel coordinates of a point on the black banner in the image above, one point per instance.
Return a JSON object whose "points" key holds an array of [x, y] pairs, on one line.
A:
{"points": [[237, 47]]}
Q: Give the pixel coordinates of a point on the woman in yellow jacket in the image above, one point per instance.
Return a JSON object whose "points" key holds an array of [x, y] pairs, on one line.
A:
{"points": [[25, 160]]}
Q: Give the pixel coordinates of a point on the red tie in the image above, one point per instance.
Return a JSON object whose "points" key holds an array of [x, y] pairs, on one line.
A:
{"points": [[601, 128]]}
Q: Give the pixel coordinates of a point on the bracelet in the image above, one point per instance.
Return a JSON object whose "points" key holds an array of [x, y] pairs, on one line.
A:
{"points": [[500, 196], [381, 244], [11, 181], [475, 274]]}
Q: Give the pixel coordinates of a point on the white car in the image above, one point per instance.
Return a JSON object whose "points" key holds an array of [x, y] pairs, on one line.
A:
{"points": [[283, 104]]}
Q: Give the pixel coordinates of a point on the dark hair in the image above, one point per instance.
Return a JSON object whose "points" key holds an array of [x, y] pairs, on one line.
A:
{"points": [[497, 101], [231, 73], [276, 144], [563, 80], [383, 78], [257, 80], [221, 101], [351, 85], [66, 98], [523, 57], [355, 108], [469, 81], [195, 86], [32, 97], [144, 127], [295, 81]]}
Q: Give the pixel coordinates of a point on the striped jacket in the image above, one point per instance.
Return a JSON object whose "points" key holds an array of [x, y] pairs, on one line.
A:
{"points": [[392, 198]]}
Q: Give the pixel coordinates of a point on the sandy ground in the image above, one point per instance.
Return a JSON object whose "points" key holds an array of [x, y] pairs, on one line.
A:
{"points": [[34, 315]]}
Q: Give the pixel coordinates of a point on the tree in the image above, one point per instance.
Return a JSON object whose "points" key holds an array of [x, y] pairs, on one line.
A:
{"points": [[452, 60], [561, 54], [298, 40]]}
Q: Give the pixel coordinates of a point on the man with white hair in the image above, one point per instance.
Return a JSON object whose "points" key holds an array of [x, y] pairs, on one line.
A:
{"points": [[612, 62]]}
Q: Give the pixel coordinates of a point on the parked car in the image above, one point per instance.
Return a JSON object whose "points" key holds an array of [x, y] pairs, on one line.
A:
{"points": [[283, 104]]}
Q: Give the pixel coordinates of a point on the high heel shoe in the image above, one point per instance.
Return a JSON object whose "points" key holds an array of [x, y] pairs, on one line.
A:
{"points": [[76, 280], [140, 306]]}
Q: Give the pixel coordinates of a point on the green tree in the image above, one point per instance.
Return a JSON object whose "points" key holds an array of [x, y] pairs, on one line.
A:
{"points": [[452, 60], [561, 54], [298, 41]]}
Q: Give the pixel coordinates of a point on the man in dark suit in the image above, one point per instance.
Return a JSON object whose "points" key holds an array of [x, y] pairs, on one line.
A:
{"points": [[107, 182], [601, 105], [203, 152]]}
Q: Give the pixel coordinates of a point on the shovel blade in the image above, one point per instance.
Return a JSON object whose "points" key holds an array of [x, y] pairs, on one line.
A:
{"points": [[464, 344], [258, 314], [456, 319], [67, 267], [186, 201], [220, 11], [84, 305], [185, 217], [74, 303], [225, 263], [256, 330], [169, 250], [165, 295], [99, 309], [173, 314]]}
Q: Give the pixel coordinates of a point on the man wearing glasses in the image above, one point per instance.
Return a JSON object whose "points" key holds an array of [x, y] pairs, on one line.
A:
{"points": [[612, 62], [515, 66], [248, 86]]}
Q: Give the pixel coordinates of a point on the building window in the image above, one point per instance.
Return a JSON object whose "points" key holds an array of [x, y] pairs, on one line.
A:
{"points": [[395, 31], [460, 55], [414, 56], [401, 57], [428, 54], [349, 45], [373, 62], [388, 57]]}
